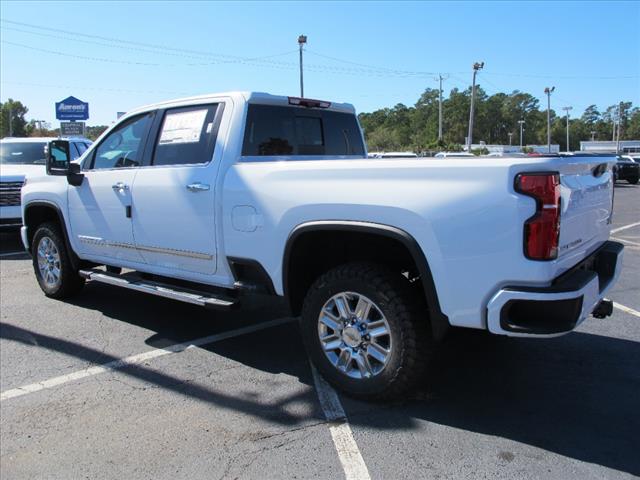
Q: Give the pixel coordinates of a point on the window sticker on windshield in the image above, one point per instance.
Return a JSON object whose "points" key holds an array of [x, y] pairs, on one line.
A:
{"points": [[184, 127]]}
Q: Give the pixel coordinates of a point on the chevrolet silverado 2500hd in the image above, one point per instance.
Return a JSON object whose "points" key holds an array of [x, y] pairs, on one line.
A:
{"points": [[208, 198]]}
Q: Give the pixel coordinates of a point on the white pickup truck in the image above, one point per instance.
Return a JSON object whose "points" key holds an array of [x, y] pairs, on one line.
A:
{"points": [[209, 199]]}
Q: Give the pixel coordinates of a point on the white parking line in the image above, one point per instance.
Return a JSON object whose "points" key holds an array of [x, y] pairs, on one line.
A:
{"points": [[346, 446], [136, 359], [8, 254], [619, 229], [626, 309], [624, 240]]}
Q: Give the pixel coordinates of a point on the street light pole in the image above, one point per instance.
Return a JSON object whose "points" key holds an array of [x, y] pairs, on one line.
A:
{"points": [[302, 39], [476, 66], [567, 109], [548, 91], [521, 122], [510, 135], [593, 135]]}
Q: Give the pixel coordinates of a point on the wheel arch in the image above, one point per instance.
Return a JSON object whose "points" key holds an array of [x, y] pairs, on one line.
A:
{"points": [[296, 283], [38, 212]]}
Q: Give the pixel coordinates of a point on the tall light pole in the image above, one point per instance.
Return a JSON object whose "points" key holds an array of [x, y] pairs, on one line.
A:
{"points": [[593, 135], [567, 109], [302, 39], [476, 66], [510, 135], [521, 122], [548, 91]]}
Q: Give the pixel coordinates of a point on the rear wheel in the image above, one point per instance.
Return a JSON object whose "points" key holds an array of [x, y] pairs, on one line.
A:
{"points": [[51, 263], [633, 181], [365, 331]]}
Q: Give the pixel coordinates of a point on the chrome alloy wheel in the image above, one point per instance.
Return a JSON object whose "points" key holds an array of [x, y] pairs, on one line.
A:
{"points": [[354, 335], [48, 262]]}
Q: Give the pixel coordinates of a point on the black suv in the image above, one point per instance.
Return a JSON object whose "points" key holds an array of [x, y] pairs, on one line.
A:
{"points": [[626, 169]]}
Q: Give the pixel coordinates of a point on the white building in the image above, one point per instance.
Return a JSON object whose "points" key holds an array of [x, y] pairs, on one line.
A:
{"points": [[626, 146]]}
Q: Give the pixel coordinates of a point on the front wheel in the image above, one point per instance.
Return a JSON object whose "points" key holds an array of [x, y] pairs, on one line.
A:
{"points": [[366, 331], [51, 263], [633, 181]]}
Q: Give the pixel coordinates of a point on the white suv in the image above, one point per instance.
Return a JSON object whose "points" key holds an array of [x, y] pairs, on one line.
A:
{"points": [[19, 159]]}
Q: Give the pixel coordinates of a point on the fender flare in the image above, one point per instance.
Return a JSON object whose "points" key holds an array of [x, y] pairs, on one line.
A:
{"points": [[439, 321], [75, 261]]}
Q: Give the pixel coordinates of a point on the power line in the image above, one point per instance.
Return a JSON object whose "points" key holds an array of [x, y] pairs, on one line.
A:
{"points": [[164, 49]]}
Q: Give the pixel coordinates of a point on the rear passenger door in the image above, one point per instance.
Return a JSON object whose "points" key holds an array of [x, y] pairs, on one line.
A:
{"points": [[174, 196]]}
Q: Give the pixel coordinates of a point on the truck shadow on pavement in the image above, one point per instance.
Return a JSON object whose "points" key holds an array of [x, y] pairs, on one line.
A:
{"points": [[576, 396]]}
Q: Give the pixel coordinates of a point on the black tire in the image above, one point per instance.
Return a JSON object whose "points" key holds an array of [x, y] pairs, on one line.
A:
{"points": [[69, 282], [406, 315], [633, 181]]}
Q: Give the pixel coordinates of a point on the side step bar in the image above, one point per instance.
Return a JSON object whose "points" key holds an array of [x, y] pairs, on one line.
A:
{"points": [[203, 299]]}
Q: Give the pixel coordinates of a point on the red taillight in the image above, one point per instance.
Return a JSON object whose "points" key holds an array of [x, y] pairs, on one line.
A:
{"points": [[542, 230]]}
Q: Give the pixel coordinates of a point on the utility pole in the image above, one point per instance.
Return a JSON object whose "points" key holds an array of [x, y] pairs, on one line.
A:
{"points": [[548, 91], [566, 109], [440, 79], [476, 66], [521, 122], [302, 39], [510, 135], [593, 135], [619, 126]]}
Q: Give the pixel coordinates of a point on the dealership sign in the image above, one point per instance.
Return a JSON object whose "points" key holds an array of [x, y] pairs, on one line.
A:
{"points": [[71, 129], [72, 109]]}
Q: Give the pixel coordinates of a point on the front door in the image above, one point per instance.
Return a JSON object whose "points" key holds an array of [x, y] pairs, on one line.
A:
{"points": [[100, 208], [174, 197]]}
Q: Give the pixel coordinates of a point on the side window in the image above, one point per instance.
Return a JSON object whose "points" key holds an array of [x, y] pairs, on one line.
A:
{"points": [[187, 136], [123, 147], [81, 148], [273, 130], [74, 150]]}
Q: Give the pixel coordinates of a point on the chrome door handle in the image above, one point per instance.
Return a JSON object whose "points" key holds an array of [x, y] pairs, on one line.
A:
{"points": [[198, 187], [120, 187]]}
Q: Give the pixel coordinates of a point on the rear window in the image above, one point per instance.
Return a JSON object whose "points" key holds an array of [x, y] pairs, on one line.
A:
{"points": [[275, 130]]}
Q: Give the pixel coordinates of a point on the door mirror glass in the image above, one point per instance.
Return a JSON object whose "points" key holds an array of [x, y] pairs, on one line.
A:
{"points": [[58, 155]]}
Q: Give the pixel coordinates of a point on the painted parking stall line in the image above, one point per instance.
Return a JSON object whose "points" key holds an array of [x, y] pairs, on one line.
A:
{"points": [[619, 229], [12, 254], [348, 452], [136, 359], [626, 309]]}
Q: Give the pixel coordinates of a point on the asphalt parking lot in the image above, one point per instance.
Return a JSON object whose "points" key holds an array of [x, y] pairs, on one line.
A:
{"points": [[112, 385]]}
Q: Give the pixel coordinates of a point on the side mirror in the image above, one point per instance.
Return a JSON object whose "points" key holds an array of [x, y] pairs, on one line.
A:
{"points": [[58, 155]]}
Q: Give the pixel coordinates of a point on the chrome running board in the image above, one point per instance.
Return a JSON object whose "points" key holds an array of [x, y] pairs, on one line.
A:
{"points": [[195, 297]]}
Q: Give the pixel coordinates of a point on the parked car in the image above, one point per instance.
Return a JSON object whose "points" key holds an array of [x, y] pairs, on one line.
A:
{"points": [[453, 154], [210, 199], [21, 158], [626, 169]]}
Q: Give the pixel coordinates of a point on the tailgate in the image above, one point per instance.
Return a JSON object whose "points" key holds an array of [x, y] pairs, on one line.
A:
{"points": [[586, 202]]}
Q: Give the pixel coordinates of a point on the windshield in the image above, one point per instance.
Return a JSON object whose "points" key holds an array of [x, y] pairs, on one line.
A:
{"points": [[22, 153]]}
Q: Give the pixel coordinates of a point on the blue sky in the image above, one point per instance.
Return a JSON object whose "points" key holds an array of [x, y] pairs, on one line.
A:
{"points": [[119, 55]]}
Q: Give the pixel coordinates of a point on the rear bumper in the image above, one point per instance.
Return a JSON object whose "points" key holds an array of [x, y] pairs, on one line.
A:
{"points": [[562, 306]]}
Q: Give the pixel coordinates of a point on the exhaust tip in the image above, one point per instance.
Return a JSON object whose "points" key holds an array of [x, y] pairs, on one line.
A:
{"points": [[603, 309]]}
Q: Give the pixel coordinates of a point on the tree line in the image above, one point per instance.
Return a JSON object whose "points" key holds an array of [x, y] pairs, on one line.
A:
{"points": [[405, 128], [416, 128], [15, 112]]}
